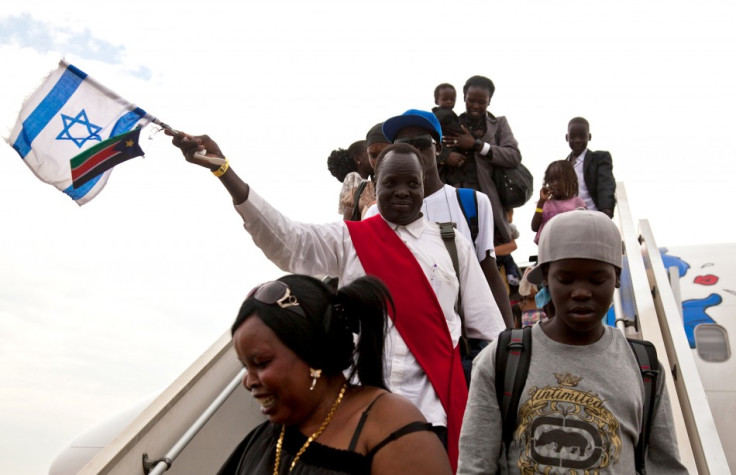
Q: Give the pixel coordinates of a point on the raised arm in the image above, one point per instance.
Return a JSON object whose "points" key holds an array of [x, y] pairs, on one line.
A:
{"points": [[544, 195], [293, 246]]}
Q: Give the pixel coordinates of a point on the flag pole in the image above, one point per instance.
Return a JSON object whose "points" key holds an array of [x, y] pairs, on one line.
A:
{"points": [[165, 126], [201, 154]]}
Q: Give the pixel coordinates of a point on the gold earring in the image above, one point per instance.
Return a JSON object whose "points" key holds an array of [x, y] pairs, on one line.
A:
{"points": [[315, 375]]}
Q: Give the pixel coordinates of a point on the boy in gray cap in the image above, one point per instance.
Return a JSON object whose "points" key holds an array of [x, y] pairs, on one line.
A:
{"points": [[581, 407]]}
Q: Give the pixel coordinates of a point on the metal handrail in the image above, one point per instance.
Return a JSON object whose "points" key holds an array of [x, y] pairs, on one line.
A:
{"points": [[704, 440], [646, 316], [159, 466]]}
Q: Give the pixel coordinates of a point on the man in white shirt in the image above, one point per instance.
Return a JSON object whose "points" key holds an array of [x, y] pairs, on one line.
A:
{"points": [[330, 249], [441, 204]]}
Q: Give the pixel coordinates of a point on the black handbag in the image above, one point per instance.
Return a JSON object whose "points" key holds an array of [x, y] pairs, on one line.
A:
{"points": [[514, 185]]}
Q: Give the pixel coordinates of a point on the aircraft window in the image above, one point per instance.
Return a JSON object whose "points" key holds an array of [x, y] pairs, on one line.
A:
{"points": [[712, 342]]}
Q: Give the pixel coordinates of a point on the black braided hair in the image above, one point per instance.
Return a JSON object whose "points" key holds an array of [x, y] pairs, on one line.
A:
{"points": [[340, 163]]}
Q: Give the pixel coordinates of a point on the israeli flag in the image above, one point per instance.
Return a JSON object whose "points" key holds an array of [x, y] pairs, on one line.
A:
{"points": [[69, 113]]}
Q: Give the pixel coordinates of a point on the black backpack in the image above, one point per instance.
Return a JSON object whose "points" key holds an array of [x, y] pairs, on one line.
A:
{"points": [[513, 355]]}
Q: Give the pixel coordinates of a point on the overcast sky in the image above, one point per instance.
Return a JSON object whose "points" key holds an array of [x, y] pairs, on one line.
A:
{"points": [[105, 304]]}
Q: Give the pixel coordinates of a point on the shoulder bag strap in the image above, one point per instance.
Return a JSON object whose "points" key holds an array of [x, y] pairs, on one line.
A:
{"points": [[356, 201]]}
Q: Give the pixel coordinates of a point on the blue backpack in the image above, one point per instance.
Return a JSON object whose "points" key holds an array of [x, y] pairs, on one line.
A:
{"points": [[469, 204]]}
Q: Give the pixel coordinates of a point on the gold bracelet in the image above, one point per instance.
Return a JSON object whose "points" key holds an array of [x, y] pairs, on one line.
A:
{"points": [[538, 210], [221, 171]]}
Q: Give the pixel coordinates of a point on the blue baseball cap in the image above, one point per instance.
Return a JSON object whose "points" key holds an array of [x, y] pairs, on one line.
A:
{"points": [[413, 118]]}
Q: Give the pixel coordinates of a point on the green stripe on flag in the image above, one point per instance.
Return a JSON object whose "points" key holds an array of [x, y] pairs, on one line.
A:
{"points": [[84, 156]]}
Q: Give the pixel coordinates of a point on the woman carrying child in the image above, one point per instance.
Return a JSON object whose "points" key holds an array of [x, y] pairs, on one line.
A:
{"points": [[559, 194]]}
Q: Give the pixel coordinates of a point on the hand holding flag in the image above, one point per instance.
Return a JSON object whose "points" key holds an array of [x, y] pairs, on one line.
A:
{"points": [[200, 150]]}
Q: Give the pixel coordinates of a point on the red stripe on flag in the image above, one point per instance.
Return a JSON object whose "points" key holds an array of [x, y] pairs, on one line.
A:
{"points": [[95, 160]]}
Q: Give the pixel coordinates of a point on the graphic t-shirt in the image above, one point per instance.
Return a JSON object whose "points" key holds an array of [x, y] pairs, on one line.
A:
{"points": [[580, 412]]}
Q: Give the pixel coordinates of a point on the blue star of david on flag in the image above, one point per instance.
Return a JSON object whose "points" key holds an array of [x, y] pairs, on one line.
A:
{"points": [[92, 130]]}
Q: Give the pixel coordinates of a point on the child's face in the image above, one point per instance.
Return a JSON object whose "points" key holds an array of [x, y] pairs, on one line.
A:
{"points": [[582, 292], [446, 98], [577, 137], [554, 187]]}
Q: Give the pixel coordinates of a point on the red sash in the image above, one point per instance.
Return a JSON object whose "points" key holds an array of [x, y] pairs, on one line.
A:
{"points": [[419, 318]]}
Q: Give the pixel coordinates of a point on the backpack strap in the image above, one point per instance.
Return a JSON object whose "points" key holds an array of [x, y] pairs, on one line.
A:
{"points": [[646, 358], [447, 231], [513, 355], [469, 204]]}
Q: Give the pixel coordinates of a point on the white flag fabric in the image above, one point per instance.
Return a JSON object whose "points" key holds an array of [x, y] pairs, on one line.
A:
{"points": [[69, 113]]}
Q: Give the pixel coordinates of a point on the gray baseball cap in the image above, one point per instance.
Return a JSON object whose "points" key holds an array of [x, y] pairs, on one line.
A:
{"points": [[578, 234]]}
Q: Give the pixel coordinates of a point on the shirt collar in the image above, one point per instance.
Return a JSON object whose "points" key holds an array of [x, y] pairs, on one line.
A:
{"points": [[579, 158], [415, 228]]}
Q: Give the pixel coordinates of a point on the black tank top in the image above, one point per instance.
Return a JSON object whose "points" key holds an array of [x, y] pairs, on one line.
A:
{"points": [[255, 455]]}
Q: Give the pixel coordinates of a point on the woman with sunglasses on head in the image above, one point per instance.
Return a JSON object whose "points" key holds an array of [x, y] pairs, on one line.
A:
{"points": [[295, 337]]}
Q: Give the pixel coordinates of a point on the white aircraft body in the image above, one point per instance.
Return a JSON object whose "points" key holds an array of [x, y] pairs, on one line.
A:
{"points": [[707, 284]]}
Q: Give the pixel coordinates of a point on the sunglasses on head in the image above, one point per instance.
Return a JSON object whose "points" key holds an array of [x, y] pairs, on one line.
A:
{"points": [[277, 293], [420, 142]]}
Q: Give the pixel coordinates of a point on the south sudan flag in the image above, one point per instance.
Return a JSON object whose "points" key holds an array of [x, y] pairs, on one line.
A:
{"points": [[105, 155]]}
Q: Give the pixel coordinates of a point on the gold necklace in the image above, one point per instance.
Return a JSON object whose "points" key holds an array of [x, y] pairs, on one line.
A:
{"points": [[311, 438]]}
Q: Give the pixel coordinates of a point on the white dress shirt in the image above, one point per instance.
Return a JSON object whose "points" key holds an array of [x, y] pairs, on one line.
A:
{"points": [[583, 193], [328, 249], [443, 206]]}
